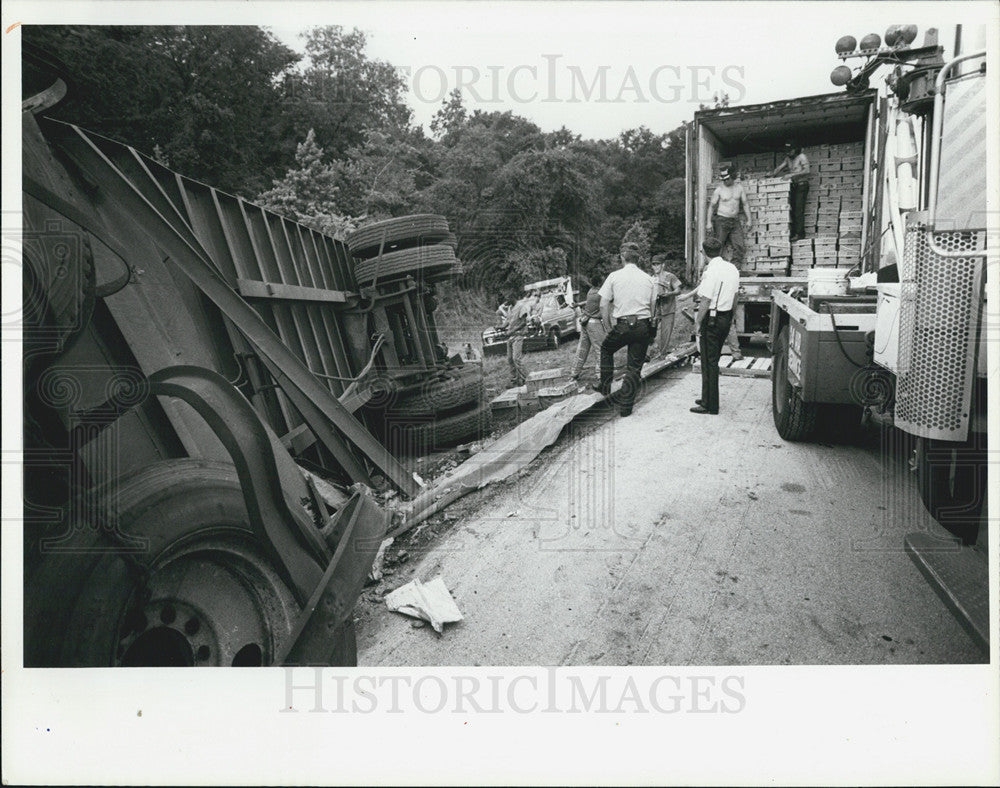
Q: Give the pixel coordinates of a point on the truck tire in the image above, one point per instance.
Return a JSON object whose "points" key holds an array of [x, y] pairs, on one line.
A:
{"points": [[444, 274], [442, 431], [405, 261], [464, 385], [218, 599], [399, 233], [952, 479], [794, 419]]}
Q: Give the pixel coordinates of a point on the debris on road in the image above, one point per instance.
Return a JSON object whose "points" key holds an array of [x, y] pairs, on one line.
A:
{"points": [[332, 496], [431, 602], [515, 450], [377, 570]]}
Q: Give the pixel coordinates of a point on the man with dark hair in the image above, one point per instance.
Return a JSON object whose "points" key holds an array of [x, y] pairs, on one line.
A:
{"points": [[717, 299], [627, 323], [796, 164], [517, 326], [728, 209]]}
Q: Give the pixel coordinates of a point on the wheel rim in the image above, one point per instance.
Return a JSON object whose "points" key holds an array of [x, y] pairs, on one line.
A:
{"points": [[214, 601]]}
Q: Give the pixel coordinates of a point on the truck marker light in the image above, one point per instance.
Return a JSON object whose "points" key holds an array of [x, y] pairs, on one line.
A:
{"points": [[846, 44], [871, 41], [840, 76]]}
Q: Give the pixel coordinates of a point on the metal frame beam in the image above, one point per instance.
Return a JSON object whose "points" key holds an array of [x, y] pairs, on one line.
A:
{"points": [[114, 192]]}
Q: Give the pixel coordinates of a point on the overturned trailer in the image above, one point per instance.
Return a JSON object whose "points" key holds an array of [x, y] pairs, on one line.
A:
{"points": [[186, 353]]}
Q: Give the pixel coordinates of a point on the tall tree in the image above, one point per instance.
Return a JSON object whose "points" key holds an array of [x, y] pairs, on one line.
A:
{"points": [[341, 93], [204, 96], [540, 199], [308, 193], [449, 120], [225, 117], [639, 235]]}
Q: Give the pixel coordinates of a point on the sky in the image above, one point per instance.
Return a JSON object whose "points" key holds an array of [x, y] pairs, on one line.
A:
{"points": [[658, 61], [596, 67]]}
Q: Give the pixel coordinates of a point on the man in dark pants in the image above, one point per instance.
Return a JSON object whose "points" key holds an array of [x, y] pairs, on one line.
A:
{"points": [[717, 298], [632, 292], [728, 211], [796, 164]]}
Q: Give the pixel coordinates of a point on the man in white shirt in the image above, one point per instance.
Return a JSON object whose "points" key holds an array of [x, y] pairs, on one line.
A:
{"points": [[796, 164], [628, 303], [717, 299]]}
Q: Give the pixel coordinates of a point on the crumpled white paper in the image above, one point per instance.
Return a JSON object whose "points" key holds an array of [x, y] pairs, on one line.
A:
{"points": [[431, 602]]}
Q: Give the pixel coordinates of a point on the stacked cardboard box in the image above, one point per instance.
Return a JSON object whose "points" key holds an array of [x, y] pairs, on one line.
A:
{"points": [[767, 243], [802, 258], [755, 165], [833, 212], [768, 246], [836, 179], [825, 250], [849, 239]]}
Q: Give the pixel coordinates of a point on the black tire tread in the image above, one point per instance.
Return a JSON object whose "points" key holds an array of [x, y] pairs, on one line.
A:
{"points": [[445, 431], [405, 261], [462, 387], [401, 231], [798, 420]]}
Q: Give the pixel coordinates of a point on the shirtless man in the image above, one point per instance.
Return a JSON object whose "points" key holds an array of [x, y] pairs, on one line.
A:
{"points": [[726, 211], [728, 208]]}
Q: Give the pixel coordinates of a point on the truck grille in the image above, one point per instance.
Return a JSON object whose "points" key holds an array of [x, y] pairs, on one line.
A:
{"points": [[939, 309]]}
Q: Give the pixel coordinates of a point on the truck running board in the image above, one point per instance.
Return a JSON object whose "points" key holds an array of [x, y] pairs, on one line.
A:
{"points": [[959, 575]]}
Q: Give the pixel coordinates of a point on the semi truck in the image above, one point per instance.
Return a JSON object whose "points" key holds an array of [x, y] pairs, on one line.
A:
{"points": [[899, 338], [207, 391]]}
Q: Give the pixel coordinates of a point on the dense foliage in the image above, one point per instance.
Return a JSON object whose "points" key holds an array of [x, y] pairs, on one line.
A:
{"points": [[327, 139]]}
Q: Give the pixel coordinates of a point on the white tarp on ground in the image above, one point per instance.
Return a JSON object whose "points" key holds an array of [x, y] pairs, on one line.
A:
{"points": [[517, 448]]}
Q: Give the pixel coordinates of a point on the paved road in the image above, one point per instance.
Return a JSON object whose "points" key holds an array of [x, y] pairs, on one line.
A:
{"points": [[669, 538]]}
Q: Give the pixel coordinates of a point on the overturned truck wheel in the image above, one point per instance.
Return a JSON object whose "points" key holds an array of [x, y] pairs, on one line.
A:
{"points": [[421, 261], [458, 389], [182, 580], [415, 435], [399, 233]]}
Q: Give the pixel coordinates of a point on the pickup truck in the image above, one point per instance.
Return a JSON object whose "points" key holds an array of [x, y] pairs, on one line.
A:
{"points": [[558, 319]]}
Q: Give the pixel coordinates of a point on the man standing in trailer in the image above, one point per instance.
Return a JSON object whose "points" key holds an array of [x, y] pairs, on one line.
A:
{"points": [[797, 166]]}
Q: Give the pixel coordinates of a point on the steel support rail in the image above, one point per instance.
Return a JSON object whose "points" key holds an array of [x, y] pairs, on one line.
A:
{"points": [[114, 191]]}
